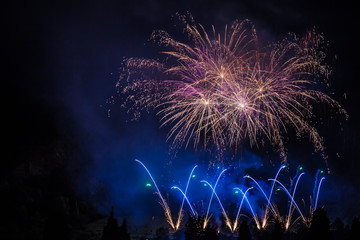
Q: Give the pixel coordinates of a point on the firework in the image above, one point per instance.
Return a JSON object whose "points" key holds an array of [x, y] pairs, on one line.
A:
{"points": [[187, 200], [233, 225], [262, 191], [316, 185], [165, 205], [239, 209], [224, 88], [251, 209], [227, 220], [317, 193], [267, 200], [271, 191], [185, 197], [207, 218], [292, 197], [163, 202]]}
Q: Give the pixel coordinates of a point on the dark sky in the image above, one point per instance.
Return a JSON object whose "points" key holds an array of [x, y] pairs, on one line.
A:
{"points": [[62, 61]]}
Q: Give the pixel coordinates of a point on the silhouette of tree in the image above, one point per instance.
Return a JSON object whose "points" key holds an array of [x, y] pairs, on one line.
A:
{"points": [[111, 230], [123, 231], [278, 231], [192, 228], [320, 225], [300, 233], [244, 231], [259, 234], [209, 233], [338, 229], [355, 229]]}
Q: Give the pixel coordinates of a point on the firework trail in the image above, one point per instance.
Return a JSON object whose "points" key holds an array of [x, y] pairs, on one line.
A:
{"points": [[207, 218], [223, 88], [187, 200], [292, 197], [317, 185], [227, 220], [296, 175], [318, 191], [238, 212], [270, 195], [185, 197], [163, 202], [251, 209], [262, 191], [298, 170]]}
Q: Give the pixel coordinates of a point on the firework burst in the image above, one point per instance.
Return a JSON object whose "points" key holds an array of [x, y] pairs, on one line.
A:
{"points": [[224, 88]]}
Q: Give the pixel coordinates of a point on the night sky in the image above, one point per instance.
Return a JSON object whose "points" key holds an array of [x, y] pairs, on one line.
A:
{"points": [[62, 60]]}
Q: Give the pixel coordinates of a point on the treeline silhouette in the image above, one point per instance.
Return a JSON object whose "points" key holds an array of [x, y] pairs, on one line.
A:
{"points": [[113, 231], [318, 228]]}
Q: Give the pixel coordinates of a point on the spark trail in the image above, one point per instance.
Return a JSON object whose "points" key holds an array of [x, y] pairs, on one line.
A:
{"points": [[163, 202], [185, 197], [292, 197], [318, 191], [262, 191], [239, 209], [187, 200], [207, 218], [251, 209], [227, 220], [270, 195]]}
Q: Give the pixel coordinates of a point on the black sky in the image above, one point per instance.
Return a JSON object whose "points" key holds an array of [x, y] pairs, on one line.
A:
{"points": [[62, 59]]}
